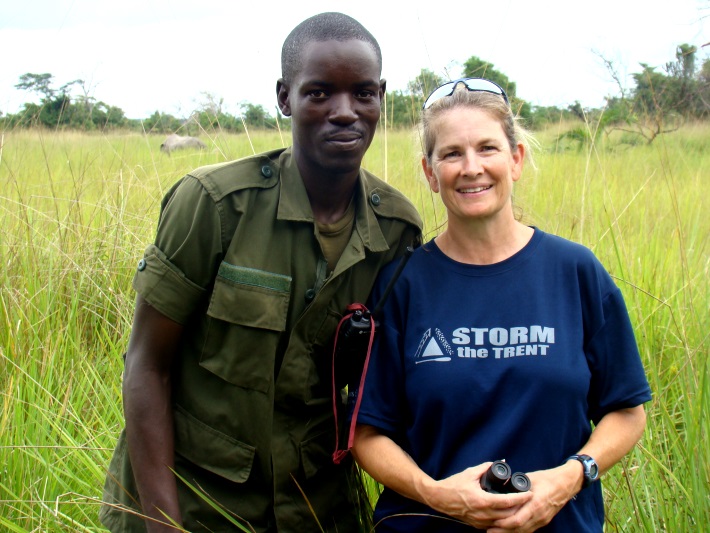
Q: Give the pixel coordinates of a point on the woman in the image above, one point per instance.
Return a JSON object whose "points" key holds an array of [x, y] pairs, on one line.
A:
{"points": [[499, 341]]}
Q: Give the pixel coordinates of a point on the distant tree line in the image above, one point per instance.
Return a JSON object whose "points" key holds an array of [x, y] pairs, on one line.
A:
{"points": [[58, 109], [659, 102]]}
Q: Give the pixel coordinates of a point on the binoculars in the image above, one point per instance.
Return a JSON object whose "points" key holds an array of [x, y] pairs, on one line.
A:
{"points": [[500, 479], [351, 348]]}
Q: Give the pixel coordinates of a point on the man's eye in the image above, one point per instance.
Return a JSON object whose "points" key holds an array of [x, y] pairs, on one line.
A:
{"points": [[318, 93], [364, 94]]}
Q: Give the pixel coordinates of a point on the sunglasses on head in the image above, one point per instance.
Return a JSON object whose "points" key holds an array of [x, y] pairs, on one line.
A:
{"points": [[472, 84]]}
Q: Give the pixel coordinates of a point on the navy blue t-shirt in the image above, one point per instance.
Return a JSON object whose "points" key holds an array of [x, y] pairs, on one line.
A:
{"points": [[506, 361]]}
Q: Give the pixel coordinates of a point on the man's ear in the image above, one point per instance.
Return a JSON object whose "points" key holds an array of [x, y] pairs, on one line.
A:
{"points": [[282, 94], [383, 89]]}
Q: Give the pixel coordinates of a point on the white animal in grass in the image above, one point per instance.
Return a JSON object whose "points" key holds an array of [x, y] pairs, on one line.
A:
{"points": [[179, 142]]}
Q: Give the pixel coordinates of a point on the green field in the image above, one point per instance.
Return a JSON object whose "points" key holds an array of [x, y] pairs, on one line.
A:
{"points": [[77, 210]]}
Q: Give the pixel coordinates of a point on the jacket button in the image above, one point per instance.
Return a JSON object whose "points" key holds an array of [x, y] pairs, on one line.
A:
{"points": [[375, 199], [310, 294], [141, 265], [266, 171]]}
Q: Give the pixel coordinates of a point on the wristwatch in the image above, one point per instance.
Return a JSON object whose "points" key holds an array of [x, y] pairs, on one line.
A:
{"points": [[591, 469]]}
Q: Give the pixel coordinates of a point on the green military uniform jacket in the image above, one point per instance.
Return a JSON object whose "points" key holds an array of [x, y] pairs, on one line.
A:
{"points": [[237, 262]]}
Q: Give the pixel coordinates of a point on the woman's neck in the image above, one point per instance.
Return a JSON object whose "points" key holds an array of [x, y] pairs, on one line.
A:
{"points": [[482, 244]]}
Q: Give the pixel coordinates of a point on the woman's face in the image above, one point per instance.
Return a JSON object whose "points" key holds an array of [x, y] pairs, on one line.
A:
{"points": [[472, 165]]}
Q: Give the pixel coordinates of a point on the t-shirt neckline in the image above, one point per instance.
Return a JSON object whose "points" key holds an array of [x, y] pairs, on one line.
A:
{"points": [[466, 269]]}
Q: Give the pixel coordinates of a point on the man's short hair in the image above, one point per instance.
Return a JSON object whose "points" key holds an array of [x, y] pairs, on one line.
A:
{"points": [[322, 27]]}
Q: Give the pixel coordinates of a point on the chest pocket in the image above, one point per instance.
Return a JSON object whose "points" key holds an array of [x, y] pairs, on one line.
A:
{"points": [[247, 315]]}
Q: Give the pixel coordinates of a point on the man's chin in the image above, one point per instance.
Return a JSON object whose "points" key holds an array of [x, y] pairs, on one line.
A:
{"points": [[343, 162]]}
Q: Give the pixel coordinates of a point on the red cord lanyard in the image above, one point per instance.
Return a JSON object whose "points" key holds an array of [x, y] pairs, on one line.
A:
{"points": [[338, 454]]}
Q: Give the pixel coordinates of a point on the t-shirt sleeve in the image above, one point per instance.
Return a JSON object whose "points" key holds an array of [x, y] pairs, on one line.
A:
{"points": [[383, 393], [618, 378], [179, 267]]}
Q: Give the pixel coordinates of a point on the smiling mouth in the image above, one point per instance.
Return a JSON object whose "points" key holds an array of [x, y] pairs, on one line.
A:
{"points": [[471, 190], [345, 144], [344, 139], [344, 136]]}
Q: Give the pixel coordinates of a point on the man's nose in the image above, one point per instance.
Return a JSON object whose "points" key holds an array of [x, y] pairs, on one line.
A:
{"points": [[343, 108]]}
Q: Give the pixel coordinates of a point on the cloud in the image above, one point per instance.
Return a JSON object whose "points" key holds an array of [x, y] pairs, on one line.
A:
{"points": [[150, 55]]}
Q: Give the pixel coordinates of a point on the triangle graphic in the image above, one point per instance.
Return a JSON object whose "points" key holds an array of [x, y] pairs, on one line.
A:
{"points": [[432, 349]]}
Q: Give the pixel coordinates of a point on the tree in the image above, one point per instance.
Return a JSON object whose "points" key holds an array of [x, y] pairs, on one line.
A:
{"points": [[37, 83], [52, 108], [543, 115], [692, 86], [424, 83], [161, 123], [475, 67], [704, 89], [643, 111], [255, 116], [401, 109], [678, 92]]}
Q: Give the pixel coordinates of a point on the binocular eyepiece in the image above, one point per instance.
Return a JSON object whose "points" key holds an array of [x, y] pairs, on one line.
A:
{"points": [[500, 479]]}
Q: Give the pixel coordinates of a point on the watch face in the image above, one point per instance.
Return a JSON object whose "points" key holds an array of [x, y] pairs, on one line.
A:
{"points": [[593, 470]]}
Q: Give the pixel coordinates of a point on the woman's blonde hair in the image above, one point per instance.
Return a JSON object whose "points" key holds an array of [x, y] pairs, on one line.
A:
{"points": [[493, 104]]}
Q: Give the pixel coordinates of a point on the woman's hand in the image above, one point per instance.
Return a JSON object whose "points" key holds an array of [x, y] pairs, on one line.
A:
{"points": [[551, 490], [461, 496], [612, 438]]}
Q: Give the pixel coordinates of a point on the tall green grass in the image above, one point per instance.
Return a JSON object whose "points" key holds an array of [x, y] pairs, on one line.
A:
{"points": [[77, 210]]}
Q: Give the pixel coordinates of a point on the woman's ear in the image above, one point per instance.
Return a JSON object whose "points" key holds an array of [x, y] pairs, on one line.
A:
{"points": [[430, 177], [518, 157]]}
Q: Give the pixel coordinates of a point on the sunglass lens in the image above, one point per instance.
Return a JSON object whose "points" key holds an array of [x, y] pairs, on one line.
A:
{"points": [[472, 84], [485, 85], [445, 90]]}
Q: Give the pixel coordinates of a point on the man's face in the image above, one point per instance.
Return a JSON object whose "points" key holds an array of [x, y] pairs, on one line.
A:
{"points": [[334, 102]]}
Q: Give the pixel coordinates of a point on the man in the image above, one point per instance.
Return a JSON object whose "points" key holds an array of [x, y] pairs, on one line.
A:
{"points": [[228, 371]]}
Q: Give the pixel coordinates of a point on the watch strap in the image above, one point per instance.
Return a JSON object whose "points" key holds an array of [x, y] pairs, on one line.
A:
{"points": [[589, 466]]}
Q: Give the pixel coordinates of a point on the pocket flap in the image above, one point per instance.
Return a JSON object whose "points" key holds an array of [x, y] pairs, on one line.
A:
{"points": [[211, 449], [250, 297], [317, 452]]}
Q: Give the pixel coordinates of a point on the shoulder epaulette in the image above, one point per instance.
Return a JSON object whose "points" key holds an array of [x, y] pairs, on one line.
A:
{"points": [[389, 202], [257, 171]]}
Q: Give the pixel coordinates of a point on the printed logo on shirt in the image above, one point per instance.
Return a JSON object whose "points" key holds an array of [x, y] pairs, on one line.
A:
{"points": [[430, 348], [482, 343]]}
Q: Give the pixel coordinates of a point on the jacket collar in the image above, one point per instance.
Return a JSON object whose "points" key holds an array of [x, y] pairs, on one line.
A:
{"points": [[294, 205]]}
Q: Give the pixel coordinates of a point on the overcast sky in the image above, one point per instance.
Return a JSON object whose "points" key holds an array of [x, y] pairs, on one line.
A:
{"points": [[165, 55]]}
